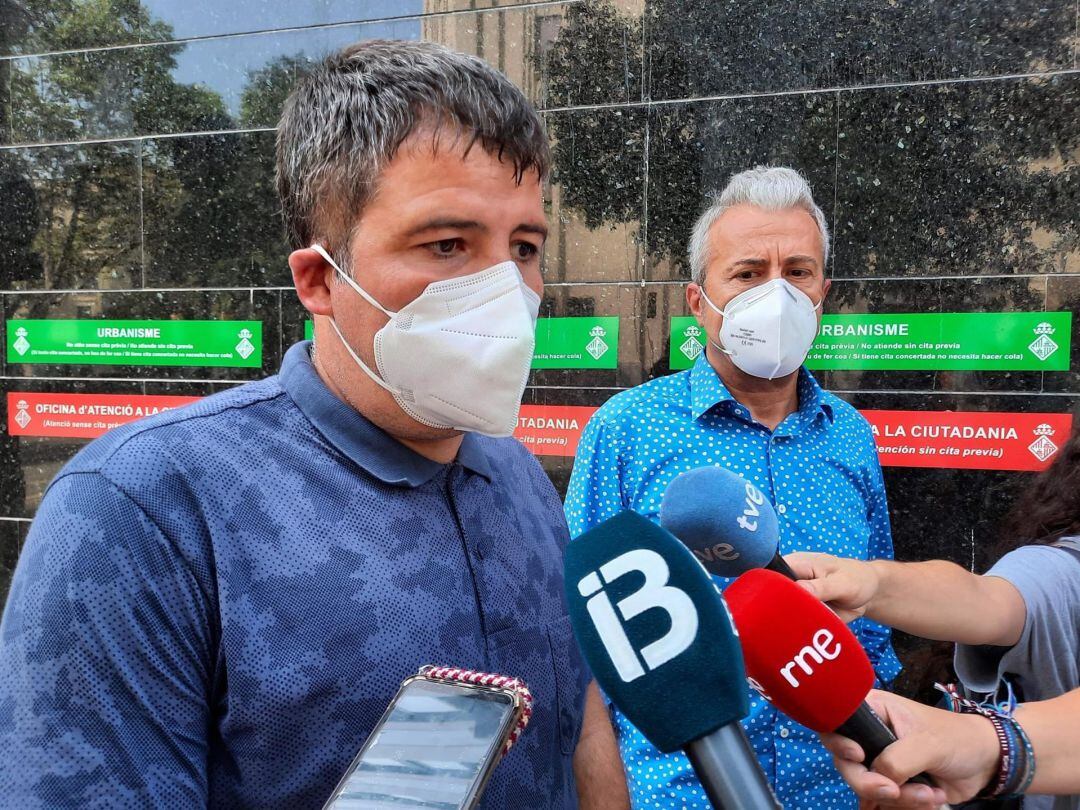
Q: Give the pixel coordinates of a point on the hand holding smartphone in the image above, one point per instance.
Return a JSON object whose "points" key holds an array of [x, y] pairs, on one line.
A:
{"points": [[437, 743]]}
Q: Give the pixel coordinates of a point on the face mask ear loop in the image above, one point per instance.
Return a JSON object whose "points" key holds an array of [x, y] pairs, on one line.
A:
{"points": [[715, 343], [360, 290], [360, 362]]}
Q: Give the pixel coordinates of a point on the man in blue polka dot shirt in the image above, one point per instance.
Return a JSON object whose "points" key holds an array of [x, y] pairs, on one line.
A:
{"points": [[757, 260]]}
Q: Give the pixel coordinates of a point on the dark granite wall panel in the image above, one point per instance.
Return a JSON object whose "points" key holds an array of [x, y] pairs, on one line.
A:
{"points": [[71, 217], [1063, 295], [941, 139], [695, 148], [965, 179], [211, 212], [950, 513], [596, 202], [707, 48]]}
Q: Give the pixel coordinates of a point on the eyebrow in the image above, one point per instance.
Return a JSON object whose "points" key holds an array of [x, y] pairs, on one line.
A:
{"points": [[749, 263], [450, 223], [529, 227], [762, 262], [446, 222]]}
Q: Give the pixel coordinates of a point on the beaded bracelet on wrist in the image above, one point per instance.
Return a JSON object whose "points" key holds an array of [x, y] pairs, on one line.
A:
{"points": [[1016, 767]]}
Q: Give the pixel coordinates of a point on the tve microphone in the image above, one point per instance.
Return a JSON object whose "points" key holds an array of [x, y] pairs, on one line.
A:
{"points": [[805, 661], [656, 635], [725, 520]]}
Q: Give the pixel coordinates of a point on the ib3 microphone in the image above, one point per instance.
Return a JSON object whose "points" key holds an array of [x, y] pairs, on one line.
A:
{"points": [[805, 661], [655, 632], [725, 520]]}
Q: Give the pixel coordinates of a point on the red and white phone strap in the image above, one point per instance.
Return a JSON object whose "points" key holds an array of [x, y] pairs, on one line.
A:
{"points": [[488, 679]]}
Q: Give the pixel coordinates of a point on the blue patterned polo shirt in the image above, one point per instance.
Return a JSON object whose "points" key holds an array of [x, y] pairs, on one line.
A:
{"points": [[820, 470], [215, 605]]}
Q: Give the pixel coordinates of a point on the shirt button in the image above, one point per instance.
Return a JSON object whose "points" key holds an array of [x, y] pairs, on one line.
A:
{"points": [[781, 509], [784, 732]]}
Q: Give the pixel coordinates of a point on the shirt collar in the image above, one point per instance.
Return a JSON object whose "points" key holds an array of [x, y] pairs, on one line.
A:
{"points": [[707, 391], [357, 437]]}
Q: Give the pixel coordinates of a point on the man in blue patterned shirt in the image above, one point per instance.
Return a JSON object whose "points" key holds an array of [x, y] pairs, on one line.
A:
{"points": [[757, 260], [215, 605]]}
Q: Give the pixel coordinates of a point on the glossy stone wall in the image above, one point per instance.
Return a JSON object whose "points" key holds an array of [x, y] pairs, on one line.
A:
{"points": [[942, 140]]}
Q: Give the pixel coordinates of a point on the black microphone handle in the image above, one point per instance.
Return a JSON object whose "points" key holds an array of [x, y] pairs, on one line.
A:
{"points": [[871, 733], [728, 770], [780, 566]]}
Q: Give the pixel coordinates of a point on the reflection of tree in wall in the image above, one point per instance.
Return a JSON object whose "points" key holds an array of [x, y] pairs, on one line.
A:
{"points": [[209, 213], [975, 178], [87, 195], [213, 203]]}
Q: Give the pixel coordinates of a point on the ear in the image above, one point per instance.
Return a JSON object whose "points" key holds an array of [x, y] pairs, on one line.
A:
{"points": [[312, 277], [694, 302], [825, 288]]}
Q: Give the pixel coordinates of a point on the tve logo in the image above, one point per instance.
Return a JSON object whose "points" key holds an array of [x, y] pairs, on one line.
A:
{"points": [[654, 593], [723, 552], [819, 652], [754, 499]]}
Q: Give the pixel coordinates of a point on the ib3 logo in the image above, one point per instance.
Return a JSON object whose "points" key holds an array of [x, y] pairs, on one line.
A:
{"points": [[654, 593]]}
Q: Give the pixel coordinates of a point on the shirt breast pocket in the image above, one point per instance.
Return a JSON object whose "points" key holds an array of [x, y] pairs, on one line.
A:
{"points": [[548, 660]]}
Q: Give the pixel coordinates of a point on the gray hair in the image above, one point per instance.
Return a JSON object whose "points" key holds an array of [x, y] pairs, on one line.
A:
{"points": [[344, 122], [771, 188]]}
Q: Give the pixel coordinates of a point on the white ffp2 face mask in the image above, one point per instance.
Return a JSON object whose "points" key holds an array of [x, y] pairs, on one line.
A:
{"points": [[458, 355], [767, 330]]}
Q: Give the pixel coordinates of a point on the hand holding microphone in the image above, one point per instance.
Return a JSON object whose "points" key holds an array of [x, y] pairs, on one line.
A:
{"points": [[732, 529], [805, 661], [961, 751], [847, 586]]}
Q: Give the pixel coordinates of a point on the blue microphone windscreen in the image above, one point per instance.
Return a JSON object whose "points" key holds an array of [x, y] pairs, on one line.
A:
{"points": [[655, 631], [725, 520]]}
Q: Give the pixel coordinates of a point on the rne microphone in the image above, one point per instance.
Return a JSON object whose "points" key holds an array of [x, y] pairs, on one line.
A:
{"points": [[655, 633], [725, 520], [805, 661]]}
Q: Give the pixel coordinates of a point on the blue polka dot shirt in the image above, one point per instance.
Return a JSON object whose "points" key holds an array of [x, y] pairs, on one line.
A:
{"points": [[820, 470]]}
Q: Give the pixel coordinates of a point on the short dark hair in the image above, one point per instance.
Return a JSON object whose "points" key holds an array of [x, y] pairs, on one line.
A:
{"points": [[344, 122], [1048, 508]]}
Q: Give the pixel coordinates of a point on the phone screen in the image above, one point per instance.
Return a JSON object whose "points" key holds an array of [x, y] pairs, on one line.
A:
{"points": [[429, 750]]}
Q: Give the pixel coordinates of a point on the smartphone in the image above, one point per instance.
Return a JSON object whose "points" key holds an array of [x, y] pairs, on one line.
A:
{"points": [[434, 748]]}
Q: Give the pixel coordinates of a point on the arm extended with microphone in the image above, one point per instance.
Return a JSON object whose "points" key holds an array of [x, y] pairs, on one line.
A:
{"points": [[731, 527], [660, 643], [805, 661]]}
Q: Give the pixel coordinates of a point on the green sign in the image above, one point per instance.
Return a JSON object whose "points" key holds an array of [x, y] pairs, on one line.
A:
{"points": [[686, 342], [970, 341], [576, 343], [236, 344]]}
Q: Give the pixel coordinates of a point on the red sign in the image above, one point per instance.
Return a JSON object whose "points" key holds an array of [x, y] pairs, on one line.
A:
{"points": [[948, 439], [552, 430], [80, 416], [969, 440]]}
